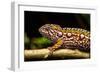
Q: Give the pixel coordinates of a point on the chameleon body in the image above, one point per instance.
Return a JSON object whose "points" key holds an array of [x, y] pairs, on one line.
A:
{"points": [[66, 37]]}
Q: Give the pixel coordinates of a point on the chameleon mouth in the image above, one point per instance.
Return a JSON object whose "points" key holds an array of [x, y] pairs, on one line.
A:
{"points": [[43, 32]]}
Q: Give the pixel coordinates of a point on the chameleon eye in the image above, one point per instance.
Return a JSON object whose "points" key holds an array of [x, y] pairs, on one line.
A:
{"points": [[59, 34]]}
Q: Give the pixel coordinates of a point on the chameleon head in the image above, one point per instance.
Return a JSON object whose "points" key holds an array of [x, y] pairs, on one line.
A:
{"points": [[51, 31]]}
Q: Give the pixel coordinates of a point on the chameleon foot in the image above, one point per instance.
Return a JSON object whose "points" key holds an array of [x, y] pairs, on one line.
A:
{"points": [[51, 51]]}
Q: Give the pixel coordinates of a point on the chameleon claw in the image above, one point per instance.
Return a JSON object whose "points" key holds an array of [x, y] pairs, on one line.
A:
{"points": [[51, 51], [46, 56]]}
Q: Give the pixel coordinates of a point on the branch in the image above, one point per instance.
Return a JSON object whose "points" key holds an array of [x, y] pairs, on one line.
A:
{"points": [[61, 53]]}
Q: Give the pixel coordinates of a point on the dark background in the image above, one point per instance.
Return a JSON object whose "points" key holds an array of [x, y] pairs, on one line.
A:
{"points": [[34, 20]]}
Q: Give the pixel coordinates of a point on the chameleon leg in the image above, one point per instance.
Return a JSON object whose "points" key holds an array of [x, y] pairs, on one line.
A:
{"points": [[56, 46]]}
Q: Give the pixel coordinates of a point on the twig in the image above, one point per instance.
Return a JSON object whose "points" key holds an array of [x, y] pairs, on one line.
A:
{"points": [[61, 53]]}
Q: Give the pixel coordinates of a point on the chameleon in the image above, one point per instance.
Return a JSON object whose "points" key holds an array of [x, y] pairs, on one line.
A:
{"points": [[66, 37]]}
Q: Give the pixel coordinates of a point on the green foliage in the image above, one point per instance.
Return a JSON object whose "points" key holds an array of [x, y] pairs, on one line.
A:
{"points": [[26, 39], [36, 42], [40, 42]]}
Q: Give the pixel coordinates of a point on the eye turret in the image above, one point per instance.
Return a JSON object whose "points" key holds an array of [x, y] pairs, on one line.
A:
{"points": [[59, 34]]}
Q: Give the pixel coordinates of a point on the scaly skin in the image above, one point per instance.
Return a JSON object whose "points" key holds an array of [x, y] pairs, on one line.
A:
{"points": [[66, 37]]}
